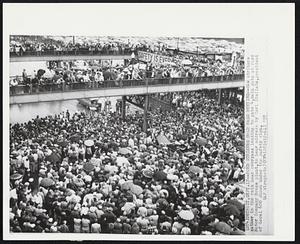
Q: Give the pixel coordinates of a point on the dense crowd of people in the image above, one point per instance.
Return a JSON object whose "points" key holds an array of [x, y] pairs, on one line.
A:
{"points": [[134, 70], [96, 173], [40, 45], [26, 46]]}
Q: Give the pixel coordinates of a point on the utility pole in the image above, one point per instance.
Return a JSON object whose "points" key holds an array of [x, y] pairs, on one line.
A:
{"points": [[146, 112], [123, 106]]}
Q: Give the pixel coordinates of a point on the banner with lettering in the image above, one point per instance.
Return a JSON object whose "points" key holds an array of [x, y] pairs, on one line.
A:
{"points": [[156, 58]]}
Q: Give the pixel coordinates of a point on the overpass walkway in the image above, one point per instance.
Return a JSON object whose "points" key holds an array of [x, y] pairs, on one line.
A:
{"points": [[67, 57], [53, 92]]}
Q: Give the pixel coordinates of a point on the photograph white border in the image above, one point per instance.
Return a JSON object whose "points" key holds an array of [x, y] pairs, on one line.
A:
{"points": [[270, 23]]}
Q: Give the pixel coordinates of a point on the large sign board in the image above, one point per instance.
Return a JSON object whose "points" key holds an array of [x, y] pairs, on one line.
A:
{"points": [[156, 58]]}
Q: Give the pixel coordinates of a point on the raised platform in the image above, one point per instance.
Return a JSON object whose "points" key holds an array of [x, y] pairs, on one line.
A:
{"points": [[66, 58], [130, 87]]}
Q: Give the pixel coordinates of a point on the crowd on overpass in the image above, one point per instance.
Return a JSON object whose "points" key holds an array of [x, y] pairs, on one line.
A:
{"points": [[97, 173], [95, 76], [40, 45], [25, 47]]}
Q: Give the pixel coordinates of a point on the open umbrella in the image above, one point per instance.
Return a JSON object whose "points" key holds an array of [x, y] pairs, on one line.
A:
{"points": [[241, 148], [162, 202], [210, 127], [95, 67], [78, 182], [47, 182], [195, 169], [14, 153], [160, 175], [237, 231], [40, 72], [147, 173], [186, 62], [201, 141], [121, 161], [62, 143], [236, 203], [127, 185], [75, 138], [226, 165], [172, 161], [16, 176], [238, 155], [162, 140], [124, 151], [241, 143], [53, 158], [189, 154], [223, 228], [186, 214], [88, 167], [89, 143], [135, 189], [59, 69], [230, 209], [169, 63]]}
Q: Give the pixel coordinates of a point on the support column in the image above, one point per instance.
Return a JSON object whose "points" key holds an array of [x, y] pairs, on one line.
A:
{"points": [[243, 95], [146, 112], [219, 96], [123, 107]]}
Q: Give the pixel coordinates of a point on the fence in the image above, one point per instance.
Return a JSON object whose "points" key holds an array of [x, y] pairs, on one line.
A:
{"points": [[71, 52], [84, 86]]}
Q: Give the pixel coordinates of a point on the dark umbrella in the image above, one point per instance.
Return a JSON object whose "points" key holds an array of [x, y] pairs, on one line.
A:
{"points": [[226, 165], [47, 182], [88, 167], [75, 138], [109, 75], [237, 231], [40, 72], [236, 203], [232, 210], [162, 202], [201, 141], [53, 158], [241, 148], [182, 147], [62, 143], [241, 143], [223, 228], [16, 176], [160, 175]]}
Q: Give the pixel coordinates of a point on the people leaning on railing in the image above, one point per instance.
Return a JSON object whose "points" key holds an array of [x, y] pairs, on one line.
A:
{"points": [[84, 82], [40, 49]]}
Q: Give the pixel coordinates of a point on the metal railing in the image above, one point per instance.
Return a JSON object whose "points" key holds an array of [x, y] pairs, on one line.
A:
{"points": [[84, 86], [76, 52]]}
